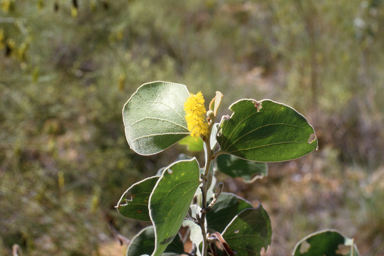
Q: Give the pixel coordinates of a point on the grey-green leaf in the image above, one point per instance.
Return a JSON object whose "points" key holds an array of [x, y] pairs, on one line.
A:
{"points": [[144, 244], [225, 209], [328, 242], [237, 167], [134, 202], [213, 139], [195, 235], [154, 117], [249, 232], [266, 131], [170, 200]]}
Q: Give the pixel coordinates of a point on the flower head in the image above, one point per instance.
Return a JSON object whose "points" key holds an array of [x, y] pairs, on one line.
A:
{"points": [[195, 115]]}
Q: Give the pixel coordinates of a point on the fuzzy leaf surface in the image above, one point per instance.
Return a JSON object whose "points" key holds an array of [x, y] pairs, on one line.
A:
{"points": [[225, 209], [170, 200], [154, 117], [268, 132], [326, 242], [213, 139], [237, 167], [134, 202], [144, 244], [249, 232], [195, 235]]}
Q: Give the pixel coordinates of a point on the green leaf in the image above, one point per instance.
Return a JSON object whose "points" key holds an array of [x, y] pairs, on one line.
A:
{"points": [[193, 144], [154, 117], [237, 167], [144, 243], [268, 132], [328, 242], [225, 209], [179, 157], [134, 202], [170, 200], [249, 232]]}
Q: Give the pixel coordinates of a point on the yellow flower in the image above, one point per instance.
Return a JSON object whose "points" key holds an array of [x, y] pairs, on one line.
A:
{"points": [[195, 115]]}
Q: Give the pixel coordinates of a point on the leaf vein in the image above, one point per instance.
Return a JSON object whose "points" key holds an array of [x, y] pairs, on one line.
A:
{"points": [[159, 119], [174, 110], [272, 144], [158, 134], [238, 126], [260, 128]]}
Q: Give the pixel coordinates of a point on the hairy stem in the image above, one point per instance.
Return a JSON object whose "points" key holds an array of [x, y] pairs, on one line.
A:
{"points": [[208, 161], [204, 197]]}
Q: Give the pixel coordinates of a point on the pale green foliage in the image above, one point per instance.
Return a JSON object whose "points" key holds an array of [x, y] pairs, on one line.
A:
{"points": [[263, 131]]}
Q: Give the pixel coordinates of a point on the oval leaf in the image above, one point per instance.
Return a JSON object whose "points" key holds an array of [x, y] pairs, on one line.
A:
{"points": [[170, 200], [224, 210], [265, 131], [249, 232], [154, 117], [144, 244], [328, 242], [237, 167], [134, 202]]}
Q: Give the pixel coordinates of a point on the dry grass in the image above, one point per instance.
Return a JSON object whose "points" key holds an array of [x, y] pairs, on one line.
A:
{"points": [[64, 161]]}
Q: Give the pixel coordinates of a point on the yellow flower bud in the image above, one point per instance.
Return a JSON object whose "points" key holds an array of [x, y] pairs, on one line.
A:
{"points": [[195, 115]]}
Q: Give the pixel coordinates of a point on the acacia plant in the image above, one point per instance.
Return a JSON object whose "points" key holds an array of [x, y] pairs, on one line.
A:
{"points": [[160, 114]]}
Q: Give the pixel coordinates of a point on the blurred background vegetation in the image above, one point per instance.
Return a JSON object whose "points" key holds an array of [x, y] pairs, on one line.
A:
{"points": [[67, 67]]}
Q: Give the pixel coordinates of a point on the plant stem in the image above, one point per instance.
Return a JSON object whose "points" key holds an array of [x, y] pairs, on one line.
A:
{"points": [[208, 161], [204, 197], [352, 247]]}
